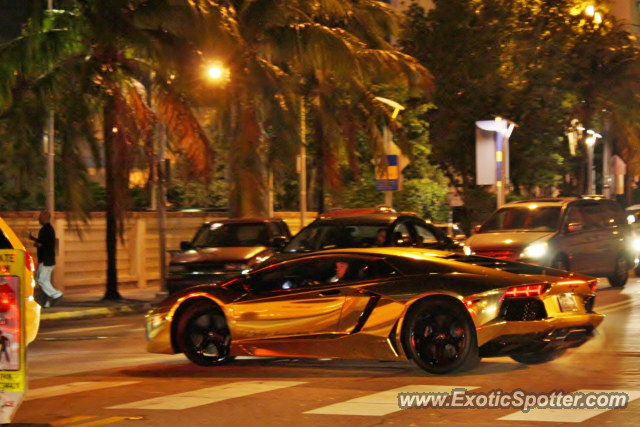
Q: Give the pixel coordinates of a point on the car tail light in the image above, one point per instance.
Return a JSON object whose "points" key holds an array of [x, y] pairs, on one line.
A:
{"points": [[594, 284], [526, 290], [29, 263]]}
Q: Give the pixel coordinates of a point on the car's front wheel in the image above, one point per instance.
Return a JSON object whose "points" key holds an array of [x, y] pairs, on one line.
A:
{"points": [[620, 273], [537, 358], [203, 334], [440, 337]]}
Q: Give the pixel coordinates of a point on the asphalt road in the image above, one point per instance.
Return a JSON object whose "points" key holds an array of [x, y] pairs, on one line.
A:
{"points": [[89, 373]]}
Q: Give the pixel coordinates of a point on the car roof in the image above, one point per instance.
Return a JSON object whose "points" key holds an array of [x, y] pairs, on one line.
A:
{"points": [[385, 218], [555, 201], [414, 253], [244, 220]]}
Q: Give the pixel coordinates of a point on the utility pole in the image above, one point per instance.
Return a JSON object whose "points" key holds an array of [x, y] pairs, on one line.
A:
{"points": [[50, 148], [303, 164]]}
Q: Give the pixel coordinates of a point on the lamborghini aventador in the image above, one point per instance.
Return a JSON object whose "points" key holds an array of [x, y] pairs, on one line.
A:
{"points": [[442, 310]]}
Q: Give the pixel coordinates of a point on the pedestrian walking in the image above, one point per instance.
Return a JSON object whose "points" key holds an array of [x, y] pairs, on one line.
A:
{"points": [[46, 245]]}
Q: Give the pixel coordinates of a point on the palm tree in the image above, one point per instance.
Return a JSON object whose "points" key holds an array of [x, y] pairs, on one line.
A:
{"points": [[87, 61], [282, 53]]}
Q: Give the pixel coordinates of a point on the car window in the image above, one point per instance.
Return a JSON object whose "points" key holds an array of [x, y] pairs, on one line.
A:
{"points": [[402, 235], [219, 235], [4, 241], [332, 236], [325, 271], [613, 213], [426, 236], [410, 266], [593, 217], [524, 219]]}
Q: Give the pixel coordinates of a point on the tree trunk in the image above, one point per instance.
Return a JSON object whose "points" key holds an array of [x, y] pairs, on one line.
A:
{"points": [[111, 200], [248, 196]]}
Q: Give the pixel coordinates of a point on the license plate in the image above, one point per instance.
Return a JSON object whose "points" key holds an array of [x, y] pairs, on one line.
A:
{"points": [[567, 302]]}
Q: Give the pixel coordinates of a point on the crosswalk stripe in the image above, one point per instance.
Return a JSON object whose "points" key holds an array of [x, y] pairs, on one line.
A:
{"points": [[382, 403], [566, 415], [101, 422], [77, 387], [71, 420], [206, 396]]}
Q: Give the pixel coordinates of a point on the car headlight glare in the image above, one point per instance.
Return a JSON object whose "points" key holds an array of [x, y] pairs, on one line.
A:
{"points": [[535, 251], [467, 250], [636, 244]]}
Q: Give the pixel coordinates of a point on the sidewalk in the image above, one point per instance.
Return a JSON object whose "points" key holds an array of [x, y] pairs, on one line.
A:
{"points": [[88, 303]]}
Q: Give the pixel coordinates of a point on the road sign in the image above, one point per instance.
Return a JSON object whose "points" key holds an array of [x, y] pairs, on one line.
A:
{"points": [[13, 370], [387, 177]]}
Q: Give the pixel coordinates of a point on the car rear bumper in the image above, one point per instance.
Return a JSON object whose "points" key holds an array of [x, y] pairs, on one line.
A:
{"points": [[507, 338]]}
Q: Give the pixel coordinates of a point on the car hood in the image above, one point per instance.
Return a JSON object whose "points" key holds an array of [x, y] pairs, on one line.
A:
{"points": [[505, 240], [215, 255]]}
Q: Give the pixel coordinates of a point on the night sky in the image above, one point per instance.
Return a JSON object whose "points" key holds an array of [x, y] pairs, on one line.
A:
{"points": [[13, 13]]}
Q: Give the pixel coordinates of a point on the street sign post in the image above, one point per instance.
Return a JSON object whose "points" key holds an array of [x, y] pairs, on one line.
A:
{"points": [[13, 369]]}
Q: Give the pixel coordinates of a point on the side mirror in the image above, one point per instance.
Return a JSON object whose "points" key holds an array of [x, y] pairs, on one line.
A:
{"points": [[476, 229], [185, 246], [574, 227], [278, 243]]}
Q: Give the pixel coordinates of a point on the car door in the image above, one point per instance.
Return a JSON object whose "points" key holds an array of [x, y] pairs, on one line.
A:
{"points": [[297, 299], [579, 239], [360, 302]]}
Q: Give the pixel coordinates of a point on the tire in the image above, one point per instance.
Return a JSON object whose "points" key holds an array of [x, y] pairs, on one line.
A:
{"points": [[538, 358], [560, 263], [203, 335], [439, 336], [620, 273]]}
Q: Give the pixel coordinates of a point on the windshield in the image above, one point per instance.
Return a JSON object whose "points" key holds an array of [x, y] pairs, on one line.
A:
{"points": [[523, 219], [217, 235], [321, 237]]}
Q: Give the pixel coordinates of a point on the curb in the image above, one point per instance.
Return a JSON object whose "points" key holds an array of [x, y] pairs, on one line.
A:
{"points": [[96, 312]]}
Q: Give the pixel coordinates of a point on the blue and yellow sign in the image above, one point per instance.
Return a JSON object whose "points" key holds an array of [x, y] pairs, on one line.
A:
{"points": [[387, 177]]}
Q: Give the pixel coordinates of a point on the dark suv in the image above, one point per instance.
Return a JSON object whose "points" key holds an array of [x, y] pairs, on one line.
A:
{"points": [[383, 228], [588, 235], [225, 248]]}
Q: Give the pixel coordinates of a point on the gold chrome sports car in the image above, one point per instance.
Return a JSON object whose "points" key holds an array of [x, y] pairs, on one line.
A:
{"points": [[442, 310]]}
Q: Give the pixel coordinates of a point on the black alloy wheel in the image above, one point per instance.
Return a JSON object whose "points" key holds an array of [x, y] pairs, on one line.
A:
{"points": [[537, 358], [203, 335], [620, 273], [440, 337]]}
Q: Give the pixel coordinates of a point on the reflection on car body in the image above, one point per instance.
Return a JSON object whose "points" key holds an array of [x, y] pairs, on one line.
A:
{"points": [[443, 310]]}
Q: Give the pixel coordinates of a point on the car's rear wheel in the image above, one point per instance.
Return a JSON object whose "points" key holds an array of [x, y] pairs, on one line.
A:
{"points": [[537, 358], [620, 273], [440, 337], [203, 335], [561, 263]]}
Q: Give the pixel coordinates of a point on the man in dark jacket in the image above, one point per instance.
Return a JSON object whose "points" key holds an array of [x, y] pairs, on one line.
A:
{"points": [[46, 244]]}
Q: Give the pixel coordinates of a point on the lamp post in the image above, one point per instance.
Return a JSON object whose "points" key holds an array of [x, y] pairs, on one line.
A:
{"points": [[388, 144], [49, 148], [591, 142]]}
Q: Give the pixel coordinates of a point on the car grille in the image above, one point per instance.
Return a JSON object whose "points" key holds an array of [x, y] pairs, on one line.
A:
{"points": [[506, 254], [522, 309]]}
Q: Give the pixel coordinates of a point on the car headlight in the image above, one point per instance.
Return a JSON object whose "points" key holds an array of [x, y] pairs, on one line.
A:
{"points": [[535, 251], [636, 245], [236, 266], [466, 249]]}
